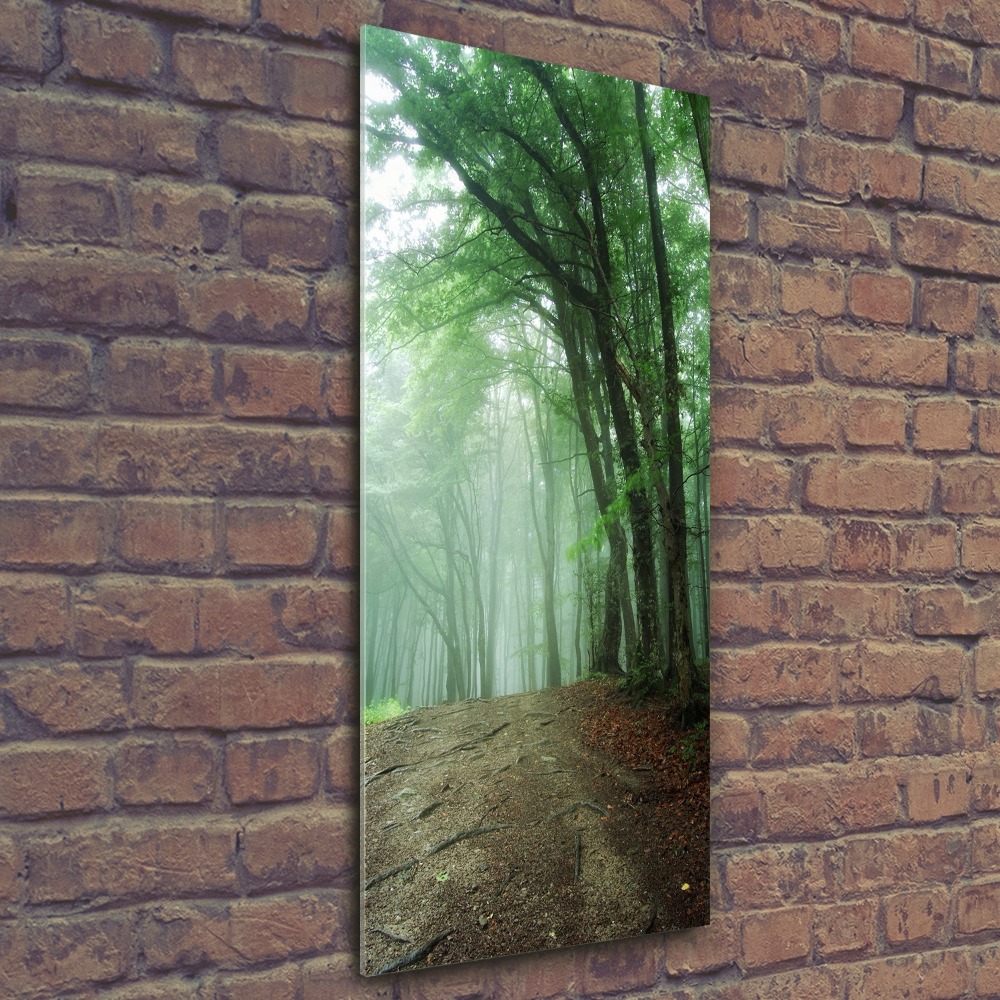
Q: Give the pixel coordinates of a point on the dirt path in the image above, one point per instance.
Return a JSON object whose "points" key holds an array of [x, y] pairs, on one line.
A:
{"points": [[491, 829]]}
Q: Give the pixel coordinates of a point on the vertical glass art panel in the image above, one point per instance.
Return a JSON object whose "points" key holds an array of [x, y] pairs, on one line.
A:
{"points": [[535, 455]]}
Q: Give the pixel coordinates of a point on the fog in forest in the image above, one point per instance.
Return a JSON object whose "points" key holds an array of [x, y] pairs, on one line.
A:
{"points": [[535, 380]]}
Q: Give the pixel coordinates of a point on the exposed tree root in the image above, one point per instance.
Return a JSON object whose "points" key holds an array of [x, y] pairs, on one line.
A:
{"points": [[418, 953]]}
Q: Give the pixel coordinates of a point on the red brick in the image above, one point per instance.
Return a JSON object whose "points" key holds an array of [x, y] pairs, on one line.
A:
{"points": [[948, 306], [848, 611], [977, 368], [881, 298], [44, 371], [950, 611], [896, 10], [774, 29], [222, 70], [629, 964], [34, 613], [51, 955], [29, 38], [248, 307], [306, 158], [740, 613], [876, 670], [890, 861], [240, 694], [49, 780], [926, 548], [814, 983], [989, 430], [978, 908], [768, 875], [165, 859], [962, 189], [972, 20], [159, 377], [776, 936], [989, 73], [829, 167], [244, 932], [746, 153], [12, 861], [100, 131], [273, 384], [702, 949], [736, 814], [282, 983], [962, 126], [343, 540], [730, 740], [340, 386], [895, 485], [272, 770], [942, 425], [69, 697], [908, 729], [987, 659], [739, 415], [435, 20], [807, 737], [986, 970], [340, 19], [337, 309], [54, 204], [933, 795], [822, 230], [342, 756], [773, 89], [761, 351], [180, 218], [750, 483], [991, 310], [981, 547], [845, 928], [338, 977], [943, 975], [790, 543], [891, 174], [858, 107], [863, 547], [772, 675], [970, 488], [97, 288], [118, 615], [985, 786], [103, 46], [742, 285], [806, 420], [733, 549], [571, 43], [812, 289], [875, 421], [887, 50], [884, 359], [948, 66], [730, 216], [671, 18], [917, 918], [284, 231], [314, 86], [164, 534], [164, 772]]}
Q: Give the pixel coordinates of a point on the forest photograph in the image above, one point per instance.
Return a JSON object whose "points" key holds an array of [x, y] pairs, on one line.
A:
{"points": [[535, 505]]}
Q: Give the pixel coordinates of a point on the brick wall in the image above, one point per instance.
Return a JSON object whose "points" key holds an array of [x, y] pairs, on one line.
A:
{"points": [[178, 489]]}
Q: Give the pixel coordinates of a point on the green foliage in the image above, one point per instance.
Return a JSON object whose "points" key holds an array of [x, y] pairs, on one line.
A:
{"points": [[379, 711]]}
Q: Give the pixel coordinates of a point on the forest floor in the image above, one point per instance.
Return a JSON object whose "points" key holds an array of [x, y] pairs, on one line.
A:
{"points": [[525, 822]]}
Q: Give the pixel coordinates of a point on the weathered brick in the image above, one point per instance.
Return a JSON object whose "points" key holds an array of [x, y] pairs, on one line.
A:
{"points": [[826, 983], [283, 232], [845, 928], [949, 244], [875, 421], [740, 613], [830, 167], [100, 131], [859, 107], [881, 298], [68, 697], [48, 779], [932, 795], [746, 153], [750, 483], [890, 861], [165, 534], [877, 670], [168, 378], [306, 158], [812, 289], [342, 755], [180, 218], [942, 425], [893, 485], [984, 784], [272, 770], [926, 548], [991, 310], [34, 613], [805, 737], [53, 203], [917, 918], [269, 536], [986, 971], [972, 20], [730, 740], [989, 430], [44, 371], [761, 351], [863, 547], [343, 540], [771, 675], [891, 174], [943, 974], [241, 694], [962, 126], [970, 487], [164, 859], [896, 10], [962, 189], [776, 936], [104, 46], [989, 73], [987, 660], [248, 307], [222, 70], [981, 547], [730, 216], [662, 17], [273, 384], [887, 50], [774, 29], [950, 611], [909, 729], [282, 983], [172, 771], [884, 359], [315, 86], [298, 846], [978, 908], [340, 19], [790, 543], [822, 230], [337, 307], [236, 13], [977, 367], [847, 611], [118, 615], [742, 285], [29, 38], [736, 814], [800, 419], [948, 66], [768, 875], [948, 306]]}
